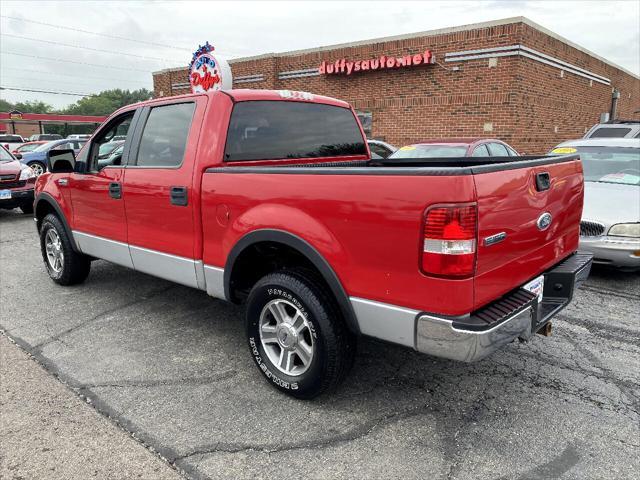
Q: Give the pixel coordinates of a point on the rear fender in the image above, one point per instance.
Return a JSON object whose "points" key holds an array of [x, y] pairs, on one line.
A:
{"points": [[298, 230]]}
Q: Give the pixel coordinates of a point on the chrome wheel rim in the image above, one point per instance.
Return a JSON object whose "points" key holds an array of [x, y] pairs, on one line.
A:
{"points": [[286, 337], [37, 169], [53, 248]]}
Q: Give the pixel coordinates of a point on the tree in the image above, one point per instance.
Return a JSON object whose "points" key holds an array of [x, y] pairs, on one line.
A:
{"points": [[5, 106], [26, 107], [106, 102]]}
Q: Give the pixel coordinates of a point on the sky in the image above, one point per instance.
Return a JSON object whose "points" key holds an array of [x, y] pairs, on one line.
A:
{"points": [[136, 38]]}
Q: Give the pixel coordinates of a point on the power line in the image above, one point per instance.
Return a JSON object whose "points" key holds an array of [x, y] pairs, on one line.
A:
{"points": [[113, 52], [117, 37], [40, 72], [22, 82], [78, 63], [47, 91]]}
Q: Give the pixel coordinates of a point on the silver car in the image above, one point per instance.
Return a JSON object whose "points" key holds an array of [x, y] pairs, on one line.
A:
{"points": [[610, 226]]}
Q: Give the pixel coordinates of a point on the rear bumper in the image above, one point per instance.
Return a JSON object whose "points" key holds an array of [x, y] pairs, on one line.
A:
{"points": [[614, 251], [517, 315], [18, 198]]}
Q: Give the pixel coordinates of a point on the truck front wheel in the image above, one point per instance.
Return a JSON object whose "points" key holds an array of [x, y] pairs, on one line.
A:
{"points": [[296, 334], [63, 264]]}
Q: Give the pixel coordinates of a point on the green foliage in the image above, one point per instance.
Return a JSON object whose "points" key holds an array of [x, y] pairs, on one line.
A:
{"points": [[5, 106], [33, 107], [106, 102]]}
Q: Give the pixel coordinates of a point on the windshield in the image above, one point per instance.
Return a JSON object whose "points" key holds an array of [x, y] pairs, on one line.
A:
{"points": [[45, 147], [106, 148], [429, 151], [5, 156], [609, 164], [28, 147]]}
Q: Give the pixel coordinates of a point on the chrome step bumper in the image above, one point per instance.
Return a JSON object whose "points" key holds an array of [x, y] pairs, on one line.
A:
{"points": [[517, 314]]}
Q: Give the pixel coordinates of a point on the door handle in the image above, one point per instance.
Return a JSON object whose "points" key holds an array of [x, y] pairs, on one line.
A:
{"points": [[178, 196], [115, 190]]}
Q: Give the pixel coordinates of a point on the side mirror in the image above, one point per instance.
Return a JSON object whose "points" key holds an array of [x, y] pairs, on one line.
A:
{"points": [[61, 161], [18, 156]]}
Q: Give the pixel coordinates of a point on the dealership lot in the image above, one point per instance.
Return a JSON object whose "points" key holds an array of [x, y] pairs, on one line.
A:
{"points": [[169, 364]]}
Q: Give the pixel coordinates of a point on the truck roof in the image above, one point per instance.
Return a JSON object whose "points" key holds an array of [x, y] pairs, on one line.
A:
{"points": [[245, 94]]}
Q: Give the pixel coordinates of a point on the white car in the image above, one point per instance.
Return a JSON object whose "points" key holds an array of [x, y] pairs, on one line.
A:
{"points": [[383, 149], [610, 226], [11, 141]]}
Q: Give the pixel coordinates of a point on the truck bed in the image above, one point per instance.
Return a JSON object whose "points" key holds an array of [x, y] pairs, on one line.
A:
{"points": [[366, 220], [408, 166]]}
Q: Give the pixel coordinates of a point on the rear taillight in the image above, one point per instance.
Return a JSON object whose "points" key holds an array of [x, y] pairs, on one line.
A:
{"points": [[449, 243]]}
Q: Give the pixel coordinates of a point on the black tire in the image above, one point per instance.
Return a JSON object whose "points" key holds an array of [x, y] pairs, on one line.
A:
{"points": [[333, 345], [27, 208], [75, 267]]}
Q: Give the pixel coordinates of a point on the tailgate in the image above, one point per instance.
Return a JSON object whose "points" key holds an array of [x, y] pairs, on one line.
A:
{"points": [[514, 242]]}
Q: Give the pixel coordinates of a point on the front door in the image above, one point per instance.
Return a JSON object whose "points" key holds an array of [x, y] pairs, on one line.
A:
{"points": [[158, 194], [99, 222]]}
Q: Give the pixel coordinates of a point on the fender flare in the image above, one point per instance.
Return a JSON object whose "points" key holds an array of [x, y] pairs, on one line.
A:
{"points": [[48, 199], [306, 249]]}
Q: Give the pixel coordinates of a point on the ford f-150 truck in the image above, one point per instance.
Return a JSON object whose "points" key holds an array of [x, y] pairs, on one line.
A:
{"points": [[271, 198]]}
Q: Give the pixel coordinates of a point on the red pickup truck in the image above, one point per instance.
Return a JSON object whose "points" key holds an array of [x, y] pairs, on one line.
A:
{"points": [[270, 198]]}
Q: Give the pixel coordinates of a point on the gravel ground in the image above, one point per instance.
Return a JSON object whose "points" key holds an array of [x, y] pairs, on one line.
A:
{"points": [[169, 364]]}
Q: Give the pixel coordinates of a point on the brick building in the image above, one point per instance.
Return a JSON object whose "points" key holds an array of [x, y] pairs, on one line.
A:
{"points": [[511, 79]]}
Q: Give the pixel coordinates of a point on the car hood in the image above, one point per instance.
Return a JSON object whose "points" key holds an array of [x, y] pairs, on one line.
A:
{"points": [[611, 203], [9, 168]]}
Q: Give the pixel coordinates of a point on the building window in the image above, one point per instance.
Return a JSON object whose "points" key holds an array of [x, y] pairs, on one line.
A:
{"points": [[366, 119]]}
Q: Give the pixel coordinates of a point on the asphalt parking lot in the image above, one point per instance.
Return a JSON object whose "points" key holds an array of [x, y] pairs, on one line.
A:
{"points": [[169, 364]]}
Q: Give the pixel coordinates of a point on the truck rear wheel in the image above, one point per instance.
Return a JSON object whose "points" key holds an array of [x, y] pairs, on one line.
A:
{"points": [[296, 334], [63, 264]]}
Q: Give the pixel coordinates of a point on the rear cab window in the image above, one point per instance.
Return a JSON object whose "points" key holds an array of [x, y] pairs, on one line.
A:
{"points": [[498, 150], [480, 151], [276, 130], [610, 132]]}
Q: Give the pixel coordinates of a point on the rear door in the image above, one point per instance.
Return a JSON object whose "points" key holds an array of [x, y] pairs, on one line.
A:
{"points": [[158, 195], [516, 241]]}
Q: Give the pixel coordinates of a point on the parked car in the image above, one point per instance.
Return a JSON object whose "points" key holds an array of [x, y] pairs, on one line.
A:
{"points": [[44, 136], [615, 129], [380, 148], [321, 244], [610, 226], [17, 182], [37, 158], [106, 149], [10, 141], [114, 158], [456, 147], [26, 147], [79, 136]]}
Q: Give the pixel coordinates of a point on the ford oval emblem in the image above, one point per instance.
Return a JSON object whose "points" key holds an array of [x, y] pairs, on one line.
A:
{"points": [[544, 221]]}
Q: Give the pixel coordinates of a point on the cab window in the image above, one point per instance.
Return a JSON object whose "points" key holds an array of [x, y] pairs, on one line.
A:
{"points": [[119, 126], [164, 138], [480, 151], [273, 130], [498, 150]]}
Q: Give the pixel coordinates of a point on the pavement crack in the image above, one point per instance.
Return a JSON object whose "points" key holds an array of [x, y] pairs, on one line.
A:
{"points": [[105, 313], [161, 382], [356, 433], [608, 291]]}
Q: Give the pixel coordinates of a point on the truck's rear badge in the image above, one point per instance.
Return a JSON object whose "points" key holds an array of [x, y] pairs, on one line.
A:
{"points": [[544, 221], [493, 239]]}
